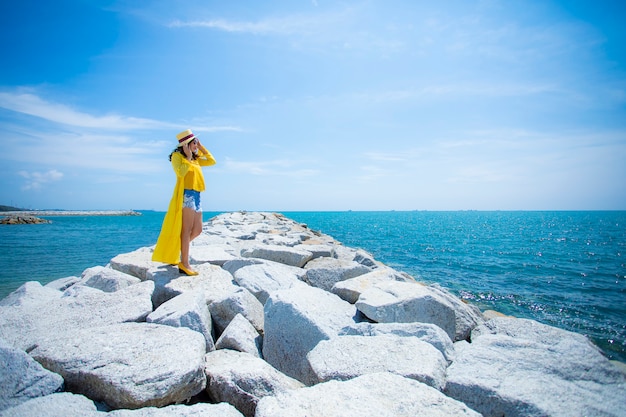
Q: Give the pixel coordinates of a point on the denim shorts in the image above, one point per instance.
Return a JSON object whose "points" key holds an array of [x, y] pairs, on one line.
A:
{"points": [[191, 199]]}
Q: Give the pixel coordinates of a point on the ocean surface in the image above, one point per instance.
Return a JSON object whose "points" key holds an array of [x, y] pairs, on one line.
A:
{"points": [[566, 269]]}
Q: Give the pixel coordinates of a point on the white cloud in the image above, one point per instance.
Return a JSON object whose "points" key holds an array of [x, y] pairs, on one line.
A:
{"points": [[31, 104], [278, 167], [35, 180]]}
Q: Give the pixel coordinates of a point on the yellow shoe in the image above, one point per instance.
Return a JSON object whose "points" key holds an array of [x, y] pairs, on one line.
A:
{"points": [[183, 270]]}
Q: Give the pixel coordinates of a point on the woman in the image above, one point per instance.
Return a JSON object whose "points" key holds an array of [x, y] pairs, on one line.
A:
{"points": [[183, 220]]}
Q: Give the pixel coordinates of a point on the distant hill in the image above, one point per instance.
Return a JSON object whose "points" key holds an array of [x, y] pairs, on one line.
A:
{"points": [[9, 208]]}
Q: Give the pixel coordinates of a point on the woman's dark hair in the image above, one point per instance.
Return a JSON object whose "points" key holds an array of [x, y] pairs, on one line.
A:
{"points": [[182, 152]]}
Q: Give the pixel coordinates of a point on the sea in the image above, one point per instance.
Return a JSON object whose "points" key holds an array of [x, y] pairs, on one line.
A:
{"points": [[562, 268]]}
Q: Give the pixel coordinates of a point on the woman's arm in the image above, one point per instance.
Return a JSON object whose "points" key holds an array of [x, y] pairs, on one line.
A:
{"points": [[180, 164], [205, 158]]}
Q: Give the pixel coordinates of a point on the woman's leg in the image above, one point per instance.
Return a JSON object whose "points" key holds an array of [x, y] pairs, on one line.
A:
{"points": [[196, 229], [189, 216]]}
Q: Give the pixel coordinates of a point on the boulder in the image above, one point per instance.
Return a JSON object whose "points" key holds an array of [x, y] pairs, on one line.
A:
{"points": [[39, 313], [296, 320], [264, 277], [195, 410], [22, 378], [241, 336], [281, 254], [403, 302], [519, 367], [346, 357], [423, 331], [128, 365], [240, 301], [63, 404], [213, 254], [466, 316], [136, 263], [380, 395], [326, 272], [212, 281], [186, 310], [317, 250], [107, 279], [62, 284], [242, 380], [351, 289]]}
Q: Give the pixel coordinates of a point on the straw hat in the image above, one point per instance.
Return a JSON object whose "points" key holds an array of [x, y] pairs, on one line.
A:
{"points": [[185, 136]]}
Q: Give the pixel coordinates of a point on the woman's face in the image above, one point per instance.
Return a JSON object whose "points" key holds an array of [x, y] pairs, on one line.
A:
{"points": [[193, 145]]}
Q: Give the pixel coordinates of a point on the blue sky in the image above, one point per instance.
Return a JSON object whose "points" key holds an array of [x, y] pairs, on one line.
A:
{"points": [[315, 104]]}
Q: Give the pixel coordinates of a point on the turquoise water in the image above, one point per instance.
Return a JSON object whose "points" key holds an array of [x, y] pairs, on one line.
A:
{"points": [[567, 269]]}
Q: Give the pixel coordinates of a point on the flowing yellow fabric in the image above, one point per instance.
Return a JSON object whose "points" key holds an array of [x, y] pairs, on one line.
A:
{"points": [[167, 248]]}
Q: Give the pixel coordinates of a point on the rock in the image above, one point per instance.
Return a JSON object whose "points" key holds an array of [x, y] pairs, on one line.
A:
{"points": [[209, 253], [23, 219], [242, 380], [351, 289], [346, 357], [63, 404], [326, 272], [403, 302], [34, 312], [380, 395], [107, 279], [196, 410], [213, 282], [186, 310], [241, 336], [423, 331], [296, 319], [467, 316], [240, 301], [136, 263], [519, 367], [280, 254], [30, 294], [22, 378], [128, 365], [62, 284], [265, 277], [317, 250]]}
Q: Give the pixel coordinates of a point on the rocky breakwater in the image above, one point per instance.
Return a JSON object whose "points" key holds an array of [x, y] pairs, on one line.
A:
{"points": [[24, 219], [283, 321]]}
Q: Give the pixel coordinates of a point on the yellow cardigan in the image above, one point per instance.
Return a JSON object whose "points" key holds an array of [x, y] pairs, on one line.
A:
{"points": [[188, 175]]}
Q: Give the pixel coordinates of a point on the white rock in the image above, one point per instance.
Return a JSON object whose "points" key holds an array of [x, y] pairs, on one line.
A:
{"points": [[326, 272], [265, 277], [318, 250], [31, 293], [128, 365], [63, 404], [136, 263], [62, 284], [241, 336], [403, 302], [212, 281], [242, 380], [519, 367], [22, 378], [210, 253], [281, 254], [351, 289], [346, 357], [423, 331], [196, 410], [240, 301], [186, 310], [467, 316], [375, 395], [45, 312], [107, 279], [296, 319]]}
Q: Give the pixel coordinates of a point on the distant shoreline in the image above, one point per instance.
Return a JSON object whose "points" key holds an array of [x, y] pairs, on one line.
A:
{"points": [[48, 213]]}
